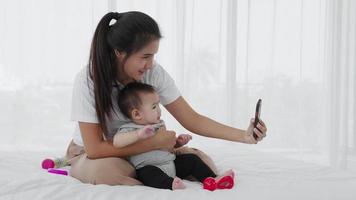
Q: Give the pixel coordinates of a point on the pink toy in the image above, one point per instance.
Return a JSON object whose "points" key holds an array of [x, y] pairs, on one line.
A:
{"points": [[47, 163], [58, 171], [54, 163]]}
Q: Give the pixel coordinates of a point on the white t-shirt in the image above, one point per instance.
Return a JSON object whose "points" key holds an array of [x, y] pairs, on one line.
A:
{"points": [[83, 102]]}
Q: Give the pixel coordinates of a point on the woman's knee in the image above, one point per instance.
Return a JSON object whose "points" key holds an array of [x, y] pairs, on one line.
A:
{"points": [[110, 171]]}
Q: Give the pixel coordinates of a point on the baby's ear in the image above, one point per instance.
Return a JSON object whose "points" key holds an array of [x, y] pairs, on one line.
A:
{"points": [[136, 114]]}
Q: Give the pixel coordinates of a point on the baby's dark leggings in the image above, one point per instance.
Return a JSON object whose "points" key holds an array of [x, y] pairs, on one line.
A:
{"points": [[186, 164]]}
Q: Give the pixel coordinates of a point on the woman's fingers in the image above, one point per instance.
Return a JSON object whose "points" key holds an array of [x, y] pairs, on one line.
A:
{"points": [[259, 134], [166, 139], [262, 126], [261, 130]]}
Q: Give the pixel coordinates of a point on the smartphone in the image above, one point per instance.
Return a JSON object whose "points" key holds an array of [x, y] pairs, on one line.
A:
{"points": [[257, 116]]}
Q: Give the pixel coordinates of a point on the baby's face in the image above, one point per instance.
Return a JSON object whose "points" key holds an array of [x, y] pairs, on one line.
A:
{"points": [[150, 109]]}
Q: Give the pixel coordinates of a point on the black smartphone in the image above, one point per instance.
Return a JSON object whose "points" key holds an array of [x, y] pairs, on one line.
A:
{"points": [[257, 116]]}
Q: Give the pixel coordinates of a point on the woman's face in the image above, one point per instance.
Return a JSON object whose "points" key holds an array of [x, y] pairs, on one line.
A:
{"points": [[138, 63]]}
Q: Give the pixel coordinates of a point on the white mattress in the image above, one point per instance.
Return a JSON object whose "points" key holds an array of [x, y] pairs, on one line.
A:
{"points": [[260, 175]]}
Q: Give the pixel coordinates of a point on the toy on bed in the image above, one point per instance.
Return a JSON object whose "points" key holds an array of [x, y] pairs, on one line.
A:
{"points": [[52, 164]]}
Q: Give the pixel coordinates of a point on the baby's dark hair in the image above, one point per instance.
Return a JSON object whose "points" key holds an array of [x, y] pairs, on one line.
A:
{"points": [[129, 97]]}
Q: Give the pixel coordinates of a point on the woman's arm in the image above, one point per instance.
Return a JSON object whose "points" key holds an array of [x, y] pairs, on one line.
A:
{"points": [[97, 147], [205, 126]]}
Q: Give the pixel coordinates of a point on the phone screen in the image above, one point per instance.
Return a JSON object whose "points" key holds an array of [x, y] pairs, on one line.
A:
{"points": [[257, 115]]}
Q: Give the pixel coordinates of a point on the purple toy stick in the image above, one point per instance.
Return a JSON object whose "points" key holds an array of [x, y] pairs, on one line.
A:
{"points": [[58, 171]]}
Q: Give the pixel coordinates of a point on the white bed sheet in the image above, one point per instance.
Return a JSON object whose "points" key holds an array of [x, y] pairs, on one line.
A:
{"points": [[260, 175]]}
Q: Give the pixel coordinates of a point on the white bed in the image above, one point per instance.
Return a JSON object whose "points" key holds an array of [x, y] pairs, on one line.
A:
{"points": [[260, 175]]}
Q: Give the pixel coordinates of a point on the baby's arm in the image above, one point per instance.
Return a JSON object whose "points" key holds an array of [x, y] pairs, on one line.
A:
{"points": [[125, 139]]}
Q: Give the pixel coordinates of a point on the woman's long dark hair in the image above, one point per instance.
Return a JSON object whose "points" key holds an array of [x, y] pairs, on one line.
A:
{"points": [[129, 33]]}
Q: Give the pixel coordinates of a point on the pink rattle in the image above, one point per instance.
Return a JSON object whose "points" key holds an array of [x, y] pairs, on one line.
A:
{"points": [[51, 164], [47, 163], [54, 163]]}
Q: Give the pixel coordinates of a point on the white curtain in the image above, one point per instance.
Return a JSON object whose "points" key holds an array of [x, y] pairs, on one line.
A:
{"points": [[43, 44], [297, 55]]}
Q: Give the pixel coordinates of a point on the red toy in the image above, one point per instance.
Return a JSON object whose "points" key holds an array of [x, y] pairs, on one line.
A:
{"points": [[226, 182]]}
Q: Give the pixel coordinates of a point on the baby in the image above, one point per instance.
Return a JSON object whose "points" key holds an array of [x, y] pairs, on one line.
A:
{"points": [[159, 168]]}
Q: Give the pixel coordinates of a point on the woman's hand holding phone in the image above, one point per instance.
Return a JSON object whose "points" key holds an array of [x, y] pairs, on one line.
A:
{"points": [[256, 130]]}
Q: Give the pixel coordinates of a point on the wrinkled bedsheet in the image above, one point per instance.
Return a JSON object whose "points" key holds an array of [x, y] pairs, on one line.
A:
{"points": [[260, 175]]}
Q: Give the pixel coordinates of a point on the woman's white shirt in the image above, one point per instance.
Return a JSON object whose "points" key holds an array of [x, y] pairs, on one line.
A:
{"points": [[83, 102]]}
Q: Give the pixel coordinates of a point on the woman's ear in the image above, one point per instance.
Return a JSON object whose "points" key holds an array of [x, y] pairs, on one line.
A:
{"points": [[120, 54], [136, 114]]}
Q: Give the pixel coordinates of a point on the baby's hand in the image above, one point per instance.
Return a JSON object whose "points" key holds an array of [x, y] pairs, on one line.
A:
{"points": [[183, 139], [145, 132]]}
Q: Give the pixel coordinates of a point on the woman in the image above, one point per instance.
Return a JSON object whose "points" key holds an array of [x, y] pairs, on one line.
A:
{"points": [[123, 52]]}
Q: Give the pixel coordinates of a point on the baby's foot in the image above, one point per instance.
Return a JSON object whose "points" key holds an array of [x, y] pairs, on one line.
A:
{"points": [[145, 132], [177, 184], [229, 172]]}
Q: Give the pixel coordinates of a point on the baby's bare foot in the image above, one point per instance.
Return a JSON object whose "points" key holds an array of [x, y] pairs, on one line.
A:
{"points": [[177, 184]]}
